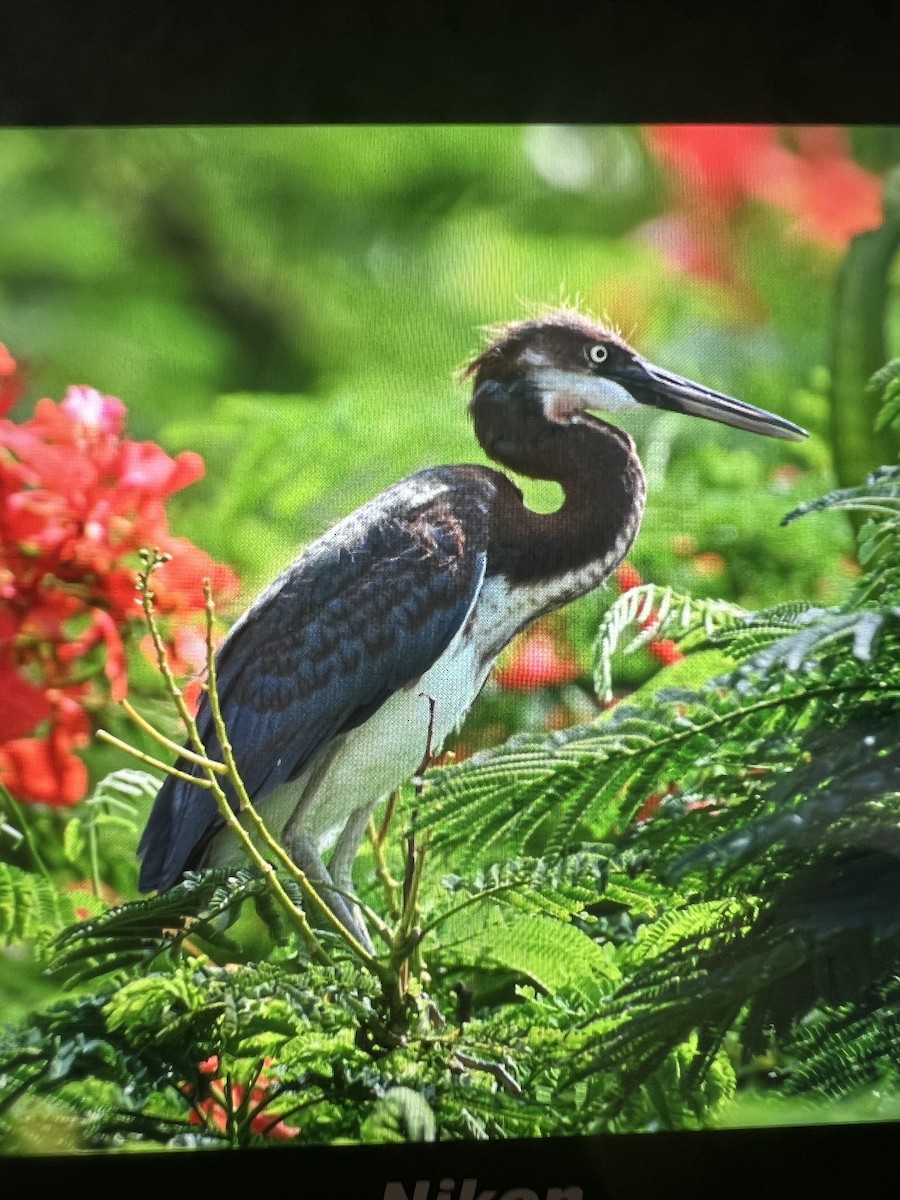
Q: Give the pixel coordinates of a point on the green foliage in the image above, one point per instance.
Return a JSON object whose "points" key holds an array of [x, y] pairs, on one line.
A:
{"points": [[703, 876], [401, 1115], [775, 792], [141, 930], [31, 907], [622, 923], [107, 818]]}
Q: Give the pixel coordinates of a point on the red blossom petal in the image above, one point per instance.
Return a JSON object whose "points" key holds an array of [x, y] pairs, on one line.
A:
{"points": [[51, 424], [840, 200], [704, 250], [650, 807], [192, 693], [23, 706], [717, 160], [50, 464], [273, 1127], [71, 724], [627, 577], [536, 662], [93, 410], [709, 563], [10, 381], [653, 803], [189, 467], [102, 628], [178, 584], [146, 467], [119, 587], [665, 651], [43, 771]]}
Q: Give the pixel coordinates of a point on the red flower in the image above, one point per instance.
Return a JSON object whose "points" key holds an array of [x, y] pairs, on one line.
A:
{"points": [[652, 804], [77, 501], [627, 577], [709, 563], [43, 770], [10, 381], [23, 705], [717, 161], [665, 651], [829, 195], [94, 412], [225, 1105], [714, 170], [535, 661]]}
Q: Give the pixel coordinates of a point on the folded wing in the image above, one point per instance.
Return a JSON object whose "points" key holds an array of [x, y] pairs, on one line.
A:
{"points": [[364, 611]]}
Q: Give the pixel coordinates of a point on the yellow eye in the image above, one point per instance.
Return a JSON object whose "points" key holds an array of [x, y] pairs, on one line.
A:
{"points": [[598, 354]]}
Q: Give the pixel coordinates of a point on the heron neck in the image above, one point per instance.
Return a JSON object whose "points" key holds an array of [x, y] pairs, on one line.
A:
{"points": [[572, 550]]}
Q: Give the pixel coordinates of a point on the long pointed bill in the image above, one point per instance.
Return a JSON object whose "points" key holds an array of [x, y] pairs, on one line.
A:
{"points": [[651, 385]]}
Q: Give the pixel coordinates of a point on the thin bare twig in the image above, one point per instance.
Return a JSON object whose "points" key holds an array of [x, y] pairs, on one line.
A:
{"points": [[104, 735]]}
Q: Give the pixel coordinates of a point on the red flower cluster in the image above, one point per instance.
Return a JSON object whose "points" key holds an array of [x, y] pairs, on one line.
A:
{"points": [[77, 501], [663, 649], [717, 168], [226, 1102]]}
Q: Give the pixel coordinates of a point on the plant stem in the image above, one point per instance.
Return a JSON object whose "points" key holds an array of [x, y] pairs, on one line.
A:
{"points": [[104, 735], [382, 871], [858, 349], [181, 751], [16, 813]]}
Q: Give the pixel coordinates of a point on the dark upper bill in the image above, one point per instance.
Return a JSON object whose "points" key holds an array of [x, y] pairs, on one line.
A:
{"points": [[651, 385]]}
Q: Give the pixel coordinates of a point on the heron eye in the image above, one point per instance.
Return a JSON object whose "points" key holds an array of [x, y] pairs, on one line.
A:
{"points": [[598, 354]]}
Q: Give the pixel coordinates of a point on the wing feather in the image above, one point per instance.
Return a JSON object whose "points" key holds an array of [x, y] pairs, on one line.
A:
{"points": [[364, 611]]}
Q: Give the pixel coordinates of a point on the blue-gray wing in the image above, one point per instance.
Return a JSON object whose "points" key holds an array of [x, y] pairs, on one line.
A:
{"points": [[364, 611]]}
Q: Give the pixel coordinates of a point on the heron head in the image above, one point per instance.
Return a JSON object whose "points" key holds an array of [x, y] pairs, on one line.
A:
{"points": [[576, 364]]}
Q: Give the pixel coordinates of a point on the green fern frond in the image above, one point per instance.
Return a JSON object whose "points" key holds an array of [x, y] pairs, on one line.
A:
{"points": [[850, 1047], [559, 887], [879, 537], [880, 494], [839, 770], [676, 615], [122, 788], [885, 385], [136, 933], [31, 907], [814, 631], [598, 776], [555, 956]]}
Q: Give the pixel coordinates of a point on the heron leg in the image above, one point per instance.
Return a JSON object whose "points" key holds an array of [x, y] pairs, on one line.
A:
{"points": [[343, 856], [305, 854]]}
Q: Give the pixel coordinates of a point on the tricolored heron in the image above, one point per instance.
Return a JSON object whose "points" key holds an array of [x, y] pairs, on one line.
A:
{"points": [[371, 647]]}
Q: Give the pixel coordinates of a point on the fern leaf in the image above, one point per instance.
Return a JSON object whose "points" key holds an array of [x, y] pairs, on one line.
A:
{"points": [[31, 907], [554, 956], [676, 616], [138, 932]]}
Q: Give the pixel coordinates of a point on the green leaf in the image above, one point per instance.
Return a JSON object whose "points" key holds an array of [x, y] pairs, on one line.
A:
{"points": [[553, 955], [401, 1115], [74, 840], [31, 907]]}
